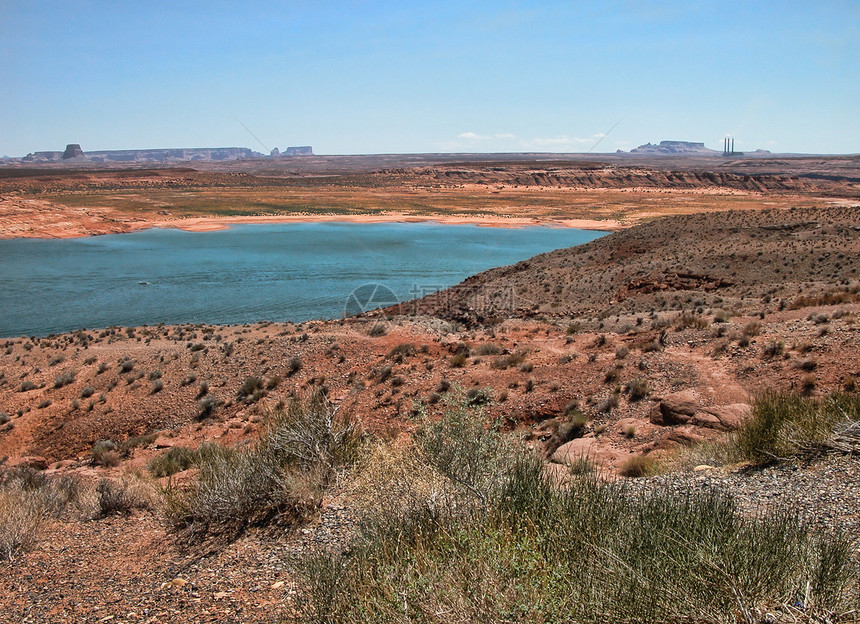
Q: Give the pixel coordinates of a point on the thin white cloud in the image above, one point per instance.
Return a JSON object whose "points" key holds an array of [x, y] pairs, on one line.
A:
{"points": [[472, 136]]}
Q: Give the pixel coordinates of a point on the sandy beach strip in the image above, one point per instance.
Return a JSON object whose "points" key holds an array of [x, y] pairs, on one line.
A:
{"points": [[210, 224]]}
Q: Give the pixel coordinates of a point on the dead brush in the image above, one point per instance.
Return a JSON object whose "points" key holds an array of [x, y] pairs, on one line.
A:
{"points": [[28, 499], [280, 479]]}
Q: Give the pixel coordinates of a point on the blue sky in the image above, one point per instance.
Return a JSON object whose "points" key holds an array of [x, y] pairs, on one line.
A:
{"points": [[378, 77]]}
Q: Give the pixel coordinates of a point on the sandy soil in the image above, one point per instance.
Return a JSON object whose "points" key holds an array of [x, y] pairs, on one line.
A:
{"points": [[209, 224]]}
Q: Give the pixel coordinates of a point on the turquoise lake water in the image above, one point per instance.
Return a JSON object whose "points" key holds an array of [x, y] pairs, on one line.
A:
{"points": [[283, 272]]}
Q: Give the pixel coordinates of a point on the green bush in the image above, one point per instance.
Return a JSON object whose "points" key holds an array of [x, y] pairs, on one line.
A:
{"points": [[468, 529], [784, 425], [173, 460]]}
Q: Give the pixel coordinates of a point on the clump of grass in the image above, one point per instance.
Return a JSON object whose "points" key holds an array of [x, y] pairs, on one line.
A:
{"points": [[508, 361], [638, 466], [685, 320], [773, 349], [608, 404], [278, 479], [176, 459], [293, 366], [785, 425], [402, 350], [115, 497], [752, 329], [377, 329], [478, 396], [637, 389], [464, 526], [251, 389], [136, 441], [458, 360], [489, 348]]}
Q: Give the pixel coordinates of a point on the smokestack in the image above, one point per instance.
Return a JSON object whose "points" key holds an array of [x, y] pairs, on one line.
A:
{"points": [[733, 145]]}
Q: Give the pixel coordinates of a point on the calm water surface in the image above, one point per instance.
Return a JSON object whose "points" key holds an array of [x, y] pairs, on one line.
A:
{"points": [[280, 272]]}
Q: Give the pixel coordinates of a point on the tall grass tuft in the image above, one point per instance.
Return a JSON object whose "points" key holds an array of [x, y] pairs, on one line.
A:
{"points": [[464, 526], [785, 425]]}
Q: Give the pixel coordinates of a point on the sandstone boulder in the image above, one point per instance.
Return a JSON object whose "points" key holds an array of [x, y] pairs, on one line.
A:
{"points": [[570, 452], [676, 408], [686, 435], [730, 417]]}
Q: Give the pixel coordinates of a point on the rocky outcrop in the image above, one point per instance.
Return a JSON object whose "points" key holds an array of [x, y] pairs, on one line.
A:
{"points": [[685, 408]]}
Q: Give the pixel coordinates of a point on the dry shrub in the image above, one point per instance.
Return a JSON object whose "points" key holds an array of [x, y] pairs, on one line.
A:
{"points": [[121, 496], [28, 499], [279, 479], [638, 466], [104, 453]]}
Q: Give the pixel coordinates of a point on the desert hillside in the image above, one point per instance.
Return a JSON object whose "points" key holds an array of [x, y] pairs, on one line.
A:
{"points": [[748, 259]]}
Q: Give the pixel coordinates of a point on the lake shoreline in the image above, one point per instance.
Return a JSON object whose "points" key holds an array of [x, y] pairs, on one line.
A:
{"points": [[216, 223]]}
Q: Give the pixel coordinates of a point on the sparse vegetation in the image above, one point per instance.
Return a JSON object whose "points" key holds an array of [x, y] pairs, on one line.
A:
{"points": [[464, 527], [176, 459], [64, 379], [637, 389]]}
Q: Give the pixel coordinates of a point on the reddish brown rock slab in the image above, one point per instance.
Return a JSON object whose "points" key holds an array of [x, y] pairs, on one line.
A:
{"points": [[570, 452], [588, 449], [730, 417], [676, 408], [34, 461], [686, 435]]}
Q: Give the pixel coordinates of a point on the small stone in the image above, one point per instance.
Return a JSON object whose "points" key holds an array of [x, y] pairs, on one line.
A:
{"points": [[277, 584]]}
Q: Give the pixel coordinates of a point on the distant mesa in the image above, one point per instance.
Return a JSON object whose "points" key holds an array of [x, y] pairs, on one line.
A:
{"points": [[674, 148], [685, 148], [74, 153], [302, 150]]}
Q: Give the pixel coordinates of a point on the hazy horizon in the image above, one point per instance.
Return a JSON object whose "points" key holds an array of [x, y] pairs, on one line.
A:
{"points": [[474, 77]]}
